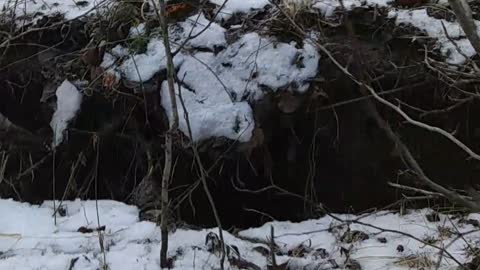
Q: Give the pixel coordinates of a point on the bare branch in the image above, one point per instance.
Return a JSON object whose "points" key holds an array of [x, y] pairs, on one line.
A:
{"points": [[464, 17], [167, 169]]}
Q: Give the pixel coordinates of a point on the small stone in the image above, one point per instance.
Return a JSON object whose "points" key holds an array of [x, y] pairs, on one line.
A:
{"points": [[354, 236], [382, 240], [321, 252], [433, 217], [353, 265], [262, 250], [62, 211]]}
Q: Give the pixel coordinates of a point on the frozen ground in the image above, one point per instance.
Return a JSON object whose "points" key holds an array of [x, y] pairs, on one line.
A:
{"points": [[29, 239]]}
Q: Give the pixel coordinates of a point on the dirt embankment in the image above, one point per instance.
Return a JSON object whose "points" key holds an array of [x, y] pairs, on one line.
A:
{"points": [[323, 144]]}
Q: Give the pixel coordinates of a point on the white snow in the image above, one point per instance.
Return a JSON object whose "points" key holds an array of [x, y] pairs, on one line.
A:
{"points": [[238, 6], [69, 100], [328, 7], [142, 67], [417, 18], [256, 61], [371, 253], [29, 239], [433, 28], [220, 85], [249, 64], [211, 37], [211, 113], [137, 30], [71, 9]]}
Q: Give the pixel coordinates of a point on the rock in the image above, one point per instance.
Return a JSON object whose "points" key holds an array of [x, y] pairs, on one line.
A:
{"points": [[354, 236]]}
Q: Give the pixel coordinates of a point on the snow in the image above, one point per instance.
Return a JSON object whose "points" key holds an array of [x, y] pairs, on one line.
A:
{"points": [[142, 67], [27, 9], [217, 87], [238, 6], [371, 253], [328, 7], [250, 64], [433, 28], [211, 38], [30, 239], [221, 79], [276, 64], [417, 18], [210, 114], [137, 31], [69, 100]]}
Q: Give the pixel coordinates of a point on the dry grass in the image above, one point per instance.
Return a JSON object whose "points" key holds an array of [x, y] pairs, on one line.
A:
{"points": [[295, 7], [444, 232], [416, 261]]}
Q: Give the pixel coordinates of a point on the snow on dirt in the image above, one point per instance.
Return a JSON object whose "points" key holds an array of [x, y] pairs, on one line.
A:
{"points": [[207, 35], [221, 79], [418, 18], [217, 85], [28, 10], [328, 7], [211, 112], [238, 6], [433, 28], [30, 239]]}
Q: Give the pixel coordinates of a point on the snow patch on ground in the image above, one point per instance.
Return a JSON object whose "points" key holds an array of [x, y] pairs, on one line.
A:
{"points": [[26, 10], [434, 29], [29, 239], [211, 112], [417, 18], [69, 100], [210, 37], [142, 67], [217, 85], [328, 7], [323, 237], [137, 31], [238, 6], [253, 62]]}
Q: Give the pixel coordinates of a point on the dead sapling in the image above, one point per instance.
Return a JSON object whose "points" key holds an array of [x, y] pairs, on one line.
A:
{"points": [[273, 248]]}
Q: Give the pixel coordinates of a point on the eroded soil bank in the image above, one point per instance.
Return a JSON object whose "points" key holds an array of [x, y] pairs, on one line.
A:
{"points": [[323, 145]]}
